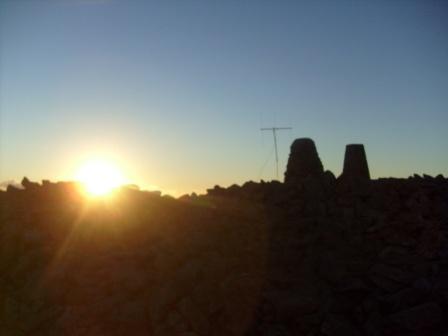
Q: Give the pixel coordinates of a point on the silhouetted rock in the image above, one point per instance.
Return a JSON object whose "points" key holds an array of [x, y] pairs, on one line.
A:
{"points": [[355, 163], [329, 178], [216, 191], [303, 161], [427, 315], [12, 188], [255, 259], [338, 325], [27, 184]]}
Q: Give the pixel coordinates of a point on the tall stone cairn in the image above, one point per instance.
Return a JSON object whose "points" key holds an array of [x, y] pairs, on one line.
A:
{"points": [[355, 163], [303, 161]]}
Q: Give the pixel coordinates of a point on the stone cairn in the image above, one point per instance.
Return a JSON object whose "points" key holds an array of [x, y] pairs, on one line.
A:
{"points": [[355, 163], [303, 162]]}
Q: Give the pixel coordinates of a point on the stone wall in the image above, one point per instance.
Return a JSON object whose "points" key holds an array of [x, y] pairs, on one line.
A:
{"points": [[322, 258]]}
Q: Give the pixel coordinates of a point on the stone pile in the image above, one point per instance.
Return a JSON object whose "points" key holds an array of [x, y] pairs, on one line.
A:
{"points": [[304, 164], [303, 161], [355, 163], [257, 259]]}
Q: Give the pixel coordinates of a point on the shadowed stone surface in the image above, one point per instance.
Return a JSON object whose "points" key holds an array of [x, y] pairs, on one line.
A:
{"points": [[253, 259], [355, 162], [303, 161]]}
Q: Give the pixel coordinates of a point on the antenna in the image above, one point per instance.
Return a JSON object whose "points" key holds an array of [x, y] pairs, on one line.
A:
{"points": [[274, 133]]}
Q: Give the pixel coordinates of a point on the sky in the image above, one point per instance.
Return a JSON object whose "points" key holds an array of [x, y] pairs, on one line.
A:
{"points": [[175, 92]]}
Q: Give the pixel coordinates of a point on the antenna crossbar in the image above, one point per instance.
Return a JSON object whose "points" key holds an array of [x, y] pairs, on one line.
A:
{"points": [[274, 133]]}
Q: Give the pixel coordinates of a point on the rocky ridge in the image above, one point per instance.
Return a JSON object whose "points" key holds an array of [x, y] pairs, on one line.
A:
{"points": [[316, 255]]}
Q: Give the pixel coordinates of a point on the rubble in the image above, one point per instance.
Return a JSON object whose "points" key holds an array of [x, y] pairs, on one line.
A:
{"points": [[256, 259]]}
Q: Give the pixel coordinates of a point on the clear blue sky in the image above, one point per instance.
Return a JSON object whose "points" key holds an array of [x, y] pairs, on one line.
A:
{"points": [[176, 91]]}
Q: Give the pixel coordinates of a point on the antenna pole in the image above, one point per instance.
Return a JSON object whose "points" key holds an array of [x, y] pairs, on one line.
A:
{"points": [[274, 133], [276, 151]]}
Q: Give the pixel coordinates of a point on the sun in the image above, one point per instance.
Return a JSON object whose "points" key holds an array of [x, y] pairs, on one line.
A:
{"points": [[100, 177]]}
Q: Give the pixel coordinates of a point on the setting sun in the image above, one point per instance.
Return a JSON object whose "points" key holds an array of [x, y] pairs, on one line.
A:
{"points": [[100, 177]]}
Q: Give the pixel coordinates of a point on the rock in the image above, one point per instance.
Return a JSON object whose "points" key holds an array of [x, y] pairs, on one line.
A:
{"points": [[422, 284], [10, 311], [319, 258], [331, 268], [314, 189], [374, 324], [12, 189], [288, 305], [352, 285], [392, 273], [27, 184], [329, 178], [355, 163], [34, 320], [273, 330], [441, 284], [416, 318], [46, 183], [216, 191], [384, 283], [176, 288], [407, 297], [303, 161], [133, 311], [338, 325], [398, 255], [196, 318]]}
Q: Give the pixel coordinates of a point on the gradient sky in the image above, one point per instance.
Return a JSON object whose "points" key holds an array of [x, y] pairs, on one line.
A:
{"points": [[176, 91]]}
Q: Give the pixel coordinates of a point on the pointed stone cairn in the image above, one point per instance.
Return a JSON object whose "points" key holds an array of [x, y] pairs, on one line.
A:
{"points": [[303, 162], [355, 163]]}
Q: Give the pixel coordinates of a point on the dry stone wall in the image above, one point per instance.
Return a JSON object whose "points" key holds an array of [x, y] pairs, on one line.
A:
{"points": [[317, 256]]}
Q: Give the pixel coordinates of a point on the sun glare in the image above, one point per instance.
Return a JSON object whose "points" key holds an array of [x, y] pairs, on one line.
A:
{"points": [[100, 177]]}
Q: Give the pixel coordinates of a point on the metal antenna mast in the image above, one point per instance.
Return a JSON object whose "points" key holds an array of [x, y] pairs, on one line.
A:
{"points": [[274, 133]]}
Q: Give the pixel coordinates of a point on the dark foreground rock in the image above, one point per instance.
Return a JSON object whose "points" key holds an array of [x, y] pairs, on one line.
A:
{"points": [[256, 259], [313, 256]]}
